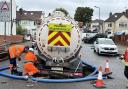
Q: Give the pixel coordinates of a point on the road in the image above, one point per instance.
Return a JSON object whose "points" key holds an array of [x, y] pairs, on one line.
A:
{"points": [[119, 81]]}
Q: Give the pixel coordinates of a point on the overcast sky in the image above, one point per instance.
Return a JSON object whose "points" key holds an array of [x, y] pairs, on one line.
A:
{"points": [[48, 6]]}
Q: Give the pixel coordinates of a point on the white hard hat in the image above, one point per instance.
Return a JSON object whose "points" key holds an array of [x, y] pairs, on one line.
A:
{"points": [[31, 49]]}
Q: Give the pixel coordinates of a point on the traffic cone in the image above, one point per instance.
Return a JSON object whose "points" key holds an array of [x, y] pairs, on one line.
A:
{"points": [[107, 68], [107, 71], [99, 81]]}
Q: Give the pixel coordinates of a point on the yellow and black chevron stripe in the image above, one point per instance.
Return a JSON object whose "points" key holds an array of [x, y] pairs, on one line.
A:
{"points": [[59, 38]]}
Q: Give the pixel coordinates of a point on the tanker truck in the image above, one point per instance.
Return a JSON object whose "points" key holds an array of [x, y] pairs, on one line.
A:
{"points": [[58, 42]]}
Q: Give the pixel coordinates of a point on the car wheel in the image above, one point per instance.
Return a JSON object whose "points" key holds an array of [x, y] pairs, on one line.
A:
{"points": [[94, 50], [98, 52]]}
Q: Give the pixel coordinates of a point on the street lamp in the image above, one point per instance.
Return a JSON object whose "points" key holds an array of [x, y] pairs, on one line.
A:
{"points": [[99, 16], [99, 10]]}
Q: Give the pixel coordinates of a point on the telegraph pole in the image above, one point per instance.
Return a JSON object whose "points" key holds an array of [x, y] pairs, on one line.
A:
{"points": [[5, 31], [11, 16]]}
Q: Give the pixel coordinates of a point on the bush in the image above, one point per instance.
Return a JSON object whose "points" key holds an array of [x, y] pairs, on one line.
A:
{"points": [[20, 30]]}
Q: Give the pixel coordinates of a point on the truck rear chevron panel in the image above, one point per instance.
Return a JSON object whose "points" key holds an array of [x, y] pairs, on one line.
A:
{"points": [[59, 38]]}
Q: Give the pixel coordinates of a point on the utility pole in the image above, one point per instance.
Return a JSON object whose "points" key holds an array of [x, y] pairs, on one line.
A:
{"points": [[5, 31], [11, 16]]}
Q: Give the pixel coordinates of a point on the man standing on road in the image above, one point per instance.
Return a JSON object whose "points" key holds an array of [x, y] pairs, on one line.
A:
{"points": [[15, 52]]}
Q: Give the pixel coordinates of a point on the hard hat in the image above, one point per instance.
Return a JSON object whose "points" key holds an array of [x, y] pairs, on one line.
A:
{"points": [[31, 49]]}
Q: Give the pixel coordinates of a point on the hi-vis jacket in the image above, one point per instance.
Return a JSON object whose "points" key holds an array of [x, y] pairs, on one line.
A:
{"points": [[16, 50], [125, 60], [29, 67], [125, 63], [30, 56]]}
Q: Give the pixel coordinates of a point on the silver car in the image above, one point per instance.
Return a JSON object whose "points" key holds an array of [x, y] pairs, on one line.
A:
{"points": [[105, 46]]}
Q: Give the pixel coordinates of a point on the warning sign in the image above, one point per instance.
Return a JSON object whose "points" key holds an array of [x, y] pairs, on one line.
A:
{"points": [[60, 27], [5, 6], [4, 11], [56, 38]]}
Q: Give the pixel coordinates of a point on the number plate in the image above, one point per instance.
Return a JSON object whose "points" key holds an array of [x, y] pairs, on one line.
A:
{"points": [[57, 68]]}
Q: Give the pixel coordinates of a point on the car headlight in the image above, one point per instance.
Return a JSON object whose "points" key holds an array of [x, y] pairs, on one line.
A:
{"points": [[115, 48], [102, 47]]}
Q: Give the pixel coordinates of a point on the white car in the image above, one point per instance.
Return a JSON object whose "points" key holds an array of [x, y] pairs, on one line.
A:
{"points": [[105, 46]]}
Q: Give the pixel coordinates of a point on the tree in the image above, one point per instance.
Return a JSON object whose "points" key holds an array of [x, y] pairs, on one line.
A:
{"points": [[20, 30], [63, 10], [83, 14]]}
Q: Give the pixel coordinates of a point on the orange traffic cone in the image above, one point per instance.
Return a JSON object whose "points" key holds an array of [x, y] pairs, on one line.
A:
{"points": [[99, 81], [107, 68], [107, 71]]}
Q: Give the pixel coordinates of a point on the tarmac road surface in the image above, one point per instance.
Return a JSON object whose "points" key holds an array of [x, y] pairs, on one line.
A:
{"points": [[119, 81]]}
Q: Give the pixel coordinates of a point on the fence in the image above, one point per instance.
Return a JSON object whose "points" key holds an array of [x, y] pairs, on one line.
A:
{"points": [[10, 39], [123, 40]]}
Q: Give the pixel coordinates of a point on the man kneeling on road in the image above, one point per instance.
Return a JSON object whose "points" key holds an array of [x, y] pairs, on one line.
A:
{"points": [[29, 68]]}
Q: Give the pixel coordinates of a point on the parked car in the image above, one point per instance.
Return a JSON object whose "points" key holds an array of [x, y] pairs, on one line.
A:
{"points": [[93, 38], [105, 46], [87, 33], [119, 33]]}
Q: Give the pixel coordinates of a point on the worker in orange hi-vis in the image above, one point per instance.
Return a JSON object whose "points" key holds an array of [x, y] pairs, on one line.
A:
{"points": [[15, 52], [124, 59], [29, 68]]}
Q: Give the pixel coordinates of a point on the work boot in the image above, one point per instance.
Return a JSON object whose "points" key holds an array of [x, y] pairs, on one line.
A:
{"points": [[14, 72], [19, 73]]}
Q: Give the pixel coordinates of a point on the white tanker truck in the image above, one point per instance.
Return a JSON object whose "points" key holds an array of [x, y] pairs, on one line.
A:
{"points": [[59, 42]]}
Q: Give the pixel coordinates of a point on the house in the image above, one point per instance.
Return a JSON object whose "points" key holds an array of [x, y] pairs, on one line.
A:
{"points": [[8, 25], [117, 22], [29, 20], [95, 25]]}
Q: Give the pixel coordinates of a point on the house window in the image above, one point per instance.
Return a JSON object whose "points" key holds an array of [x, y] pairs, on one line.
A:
{"points": [[32, 13], [123, 25], [25, 13], [94, 26], [34, 23], [110, 25], [24, 22]]}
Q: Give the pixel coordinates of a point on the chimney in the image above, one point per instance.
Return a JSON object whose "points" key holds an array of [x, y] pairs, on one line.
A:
{"points": [[110, 14], [21, 11]]}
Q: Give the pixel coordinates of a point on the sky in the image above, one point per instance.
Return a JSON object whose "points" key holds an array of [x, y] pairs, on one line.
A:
{"points": [[106, 6]]}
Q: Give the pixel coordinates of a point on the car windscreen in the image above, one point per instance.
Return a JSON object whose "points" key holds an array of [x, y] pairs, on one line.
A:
{"points": [[106, 42]]}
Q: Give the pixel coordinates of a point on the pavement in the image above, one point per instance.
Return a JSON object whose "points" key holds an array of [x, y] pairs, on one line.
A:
{"points": [[119, 81]]}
